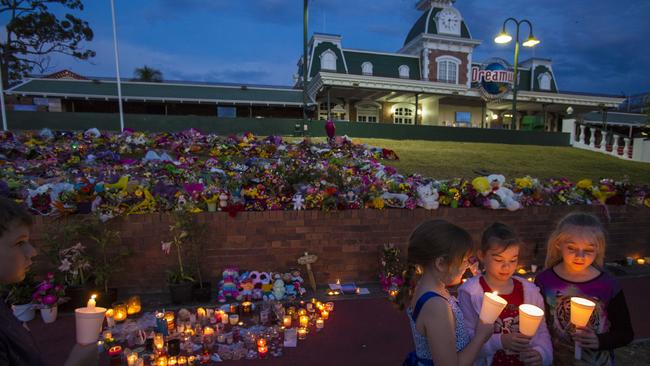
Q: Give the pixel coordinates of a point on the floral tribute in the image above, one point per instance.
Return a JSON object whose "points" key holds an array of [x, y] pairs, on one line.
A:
{"points": [[115, 174]]}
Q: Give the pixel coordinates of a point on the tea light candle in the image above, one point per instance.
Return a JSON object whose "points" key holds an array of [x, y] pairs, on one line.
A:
{"points": [[302, 312], [530, 317], [530, 279], [182, 360], [208, 331], [325, 314], [120, 313], [234, 319], [169, 318], [261, 342], [581, 310], [640, 261], [110, 320], [92, 303], [263, 351], [246, 307], [320, 323], [286, 321], [304, 321], [493, 305], [159, 341], [329, 306], [302, 333], [172, 361], [521, 271], [132, 359], [201, 313], [115, 351], [134, 306], [162, 361]]}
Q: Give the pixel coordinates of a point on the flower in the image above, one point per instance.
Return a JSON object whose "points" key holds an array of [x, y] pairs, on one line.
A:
{"points": [[166, 246], [65, 265]]}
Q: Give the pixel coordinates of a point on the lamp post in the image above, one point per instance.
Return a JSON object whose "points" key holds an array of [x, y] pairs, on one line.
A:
{"points": [[531, 41], [305, 64]]}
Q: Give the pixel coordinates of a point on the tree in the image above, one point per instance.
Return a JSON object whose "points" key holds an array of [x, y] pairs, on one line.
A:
{"points": [[149, 74], [34, 33]]}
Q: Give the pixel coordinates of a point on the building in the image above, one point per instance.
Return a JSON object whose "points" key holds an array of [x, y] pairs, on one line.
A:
{"points": [[432, 80], [637, 103]]}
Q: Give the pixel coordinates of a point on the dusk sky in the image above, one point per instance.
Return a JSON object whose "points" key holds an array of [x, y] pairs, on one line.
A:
{"points": [[598, 46]]}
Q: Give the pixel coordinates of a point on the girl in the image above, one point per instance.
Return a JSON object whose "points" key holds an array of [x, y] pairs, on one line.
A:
{"points": [[574, 262], [438, 256], [499, 254]]}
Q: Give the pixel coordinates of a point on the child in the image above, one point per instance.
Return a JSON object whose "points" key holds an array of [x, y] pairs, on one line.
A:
{"points": [[499, 254], [574, 262], [437, 258]]}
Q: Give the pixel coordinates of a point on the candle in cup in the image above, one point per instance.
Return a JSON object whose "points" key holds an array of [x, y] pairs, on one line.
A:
{"points": [[640, 261], [325, 314], [234, 319], [208, 331], [92, 303], [182, 360], [530, 317], [521, 271], [201, 313], [329, 306], [169, 318], [110, 318], [261, 342], [246, 307], [493, 305], [263, 351], [88, 324], [304, 321], [581, 310], [159, 341], [302, 333], [131, 359], [172, 361], [162, 361], [120, 313], [114, 351], [134, 306], [286, 321], [320, 323]]}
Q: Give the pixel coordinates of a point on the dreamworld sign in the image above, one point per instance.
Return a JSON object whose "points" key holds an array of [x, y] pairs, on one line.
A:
{"points": [[494, 79]]}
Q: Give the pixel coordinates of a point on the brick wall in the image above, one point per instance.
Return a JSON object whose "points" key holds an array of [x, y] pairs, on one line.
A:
{"points": [[462, 68], [346, 242]]}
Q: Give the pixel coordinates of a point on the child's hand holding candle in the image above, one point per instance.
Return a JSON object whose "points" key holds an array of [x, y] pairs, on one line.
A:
{"points": [[493, 305], [581, 310]]}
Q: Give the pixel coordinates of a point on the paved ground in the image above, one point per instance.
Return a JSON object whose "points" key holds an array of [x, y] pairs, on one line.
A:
{"points": [[365, 332]]}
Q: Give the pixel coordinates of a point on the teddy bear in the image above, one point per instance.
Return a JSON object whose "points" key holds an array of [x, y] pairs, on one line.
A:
{"points": [[229, 285], [506, 196], [428, 197], [297, 281], [289, 288], [267, 287], [246, 287], [278, 287], [257, 285]]}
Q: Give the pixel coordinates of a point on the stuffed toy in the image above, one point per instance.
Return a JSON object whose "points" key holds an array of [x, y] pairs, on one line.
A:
{"points": [[289, 288], [278, 287], [297, 281], [506, 197], [257, 285], [229, 285], [267, 287], [428, 197], [246, 287]]}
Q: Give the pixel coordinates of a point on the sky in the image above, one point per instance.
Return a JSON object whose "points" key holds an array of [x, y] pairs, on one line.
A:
{"points": [[597, 46]]}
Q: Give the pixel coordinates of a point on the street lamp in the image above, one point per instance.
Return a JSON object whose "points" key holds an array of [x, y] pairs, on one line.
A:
{"points": [[531, 41], [305, 21]]}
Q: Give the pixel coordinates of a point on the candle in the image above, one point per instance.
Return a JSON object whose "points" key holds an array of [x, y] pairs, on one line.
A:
{"points": [[302, 312], [159, 341], [338, 281], [88, 323], [169, 318], [581, 310], [325, 314], [132, 359], [533, 268], [91, 303], [207, 331], [120, 313], [530, 316], [110, 320], [640, 261], [521, 271], [304, 321], [530, 279], [302, 333], [263, 351], [134, 306], [320, 323], [162, 361], [246, 307], [224, 317], [261, 342], [201, 313], [234, 319], [493, 305], [114, 351], [107, 336], [286, 321], [182, 360], [463, 280], [329, 306], [191, 359], [172, 361]]}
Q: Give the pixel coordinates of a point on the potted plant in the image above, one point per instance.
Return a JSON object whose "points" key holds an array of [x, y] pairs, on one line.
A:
{"points": [[107, 260], [179, 281], [195, 240], [19, 296], [48, 296]]}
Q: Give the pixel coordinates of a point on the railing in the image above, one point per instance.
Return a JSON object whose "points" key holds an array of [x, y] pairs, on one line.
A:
{"points": [[590, 137]]}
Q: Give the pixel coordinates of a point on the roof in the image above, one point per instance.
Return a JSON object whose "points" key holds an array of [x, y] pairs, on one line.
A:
{"points": [[617, 118], [383, 64], [65, 74], [164, 91], [427, 24]]}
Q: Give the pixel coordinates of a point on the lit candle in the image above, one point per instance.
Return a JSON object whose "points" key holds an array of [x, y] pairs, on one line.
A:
{"points": [[132, 359], [191, 359], [92, 303], [286, 321], [530, 317], [172, 361], [493, 305], [329, 306], [88, 324], [134, 306], [581, 310], [302, 333], [119, 309], [234, 319], [107, 335], [115, 351], [325, 314], [246, 307], [463, 280], [201, 313], [159, 341], [302, 312], [320, 323], [640, 261], [208, 331], [521, 271], [530, 279], [304, 321], [169, 317], [261, 342], [110, 320], [162, 361], [263, 351], [224, 317], [182, 360]]}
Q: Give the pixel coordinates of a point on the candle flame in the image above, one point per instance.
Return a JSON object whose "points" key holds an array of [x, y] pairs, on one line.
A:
{"points": [[93, 296], [495, 293]]}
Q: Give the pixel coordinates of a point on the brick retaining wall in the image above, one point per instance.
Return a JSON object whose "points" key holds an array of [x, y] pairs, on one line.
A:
{"points": [[346, 242]]}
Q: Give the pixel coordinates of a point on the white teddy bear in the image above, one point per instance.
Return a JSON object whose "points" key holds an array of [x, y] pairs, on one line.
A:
{"points": [[428, 197], [507, 196]]}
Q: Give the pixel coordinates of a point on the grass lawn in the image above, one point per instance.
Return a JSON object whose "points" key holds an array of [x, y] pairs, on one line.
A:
{"points": [[443, 160]]}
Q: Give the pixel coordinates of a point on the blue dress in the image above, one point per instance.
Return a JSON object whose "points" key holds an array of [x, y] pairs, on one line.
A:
{"points": [[422, 354]]}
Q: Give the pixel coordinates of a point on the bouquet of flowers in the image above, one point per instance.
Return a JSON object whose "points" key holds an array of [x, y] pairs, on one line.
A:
{"points": [[74, 264], [390, 270], [49, 293]]}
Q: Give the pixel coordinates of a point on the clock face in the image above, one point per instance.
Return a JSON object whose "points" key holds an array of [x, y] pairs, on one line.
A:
{"points": [[449, 22]]}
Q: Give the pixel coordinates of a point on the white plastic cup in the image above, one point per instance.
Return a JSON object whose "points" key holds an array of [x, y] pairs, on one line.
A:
{"points": [[88, 323], [530, 317], [581, 310], [492, 307]]}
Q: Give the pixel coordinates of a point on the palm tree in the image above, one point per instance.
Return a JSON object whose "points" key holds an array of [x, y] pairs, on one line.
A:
{"points": [[149, 74]]}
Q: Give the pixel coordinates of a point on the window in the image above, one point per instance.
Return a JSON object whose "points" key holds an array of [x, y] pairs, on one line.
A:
{"points": [[404, 72], [337, 112], [448, 69], [366, 68], [404, 114], [544, 81], [328, 60], [368, 112], [226, 112], [464, 118]]}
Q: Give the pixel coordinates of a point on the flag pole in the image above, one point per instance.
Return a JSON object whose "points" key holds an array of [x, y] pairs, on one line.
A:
{"points": [[117, 68]]}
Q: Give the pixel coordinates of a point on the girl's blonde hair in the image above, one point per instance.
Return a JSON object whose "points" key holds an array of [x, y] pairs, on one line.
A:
{"points": [[561, 235]]}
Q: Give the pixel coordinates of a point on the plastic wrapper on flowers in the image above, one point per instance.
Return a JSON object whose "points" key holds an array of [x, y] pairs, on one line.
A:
{"points": [[115, 174]]}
